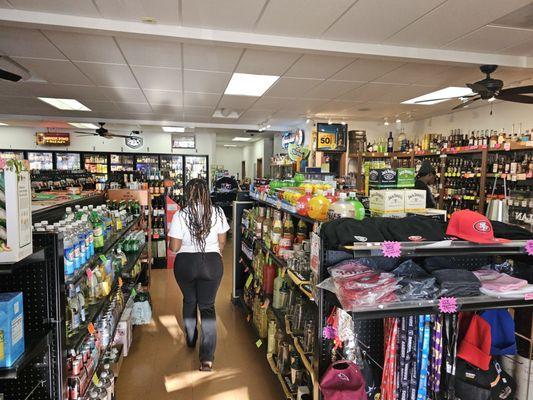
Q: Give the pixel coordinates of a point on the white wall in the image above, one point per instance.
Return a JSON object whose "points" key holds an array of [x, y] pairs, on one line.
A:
{"points": [[230, 158], [250, 154], [504, 115], [154, 142]]}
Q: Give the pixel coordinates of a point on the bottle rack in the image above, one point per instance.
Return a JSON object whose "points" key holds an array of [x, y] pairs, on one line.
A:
{"points": [[369, 320]]}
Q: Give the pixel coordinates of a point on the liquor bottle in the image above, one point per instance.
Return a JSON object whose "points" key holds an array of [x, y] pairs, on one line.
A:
{"points": [[390, 143], [277, 232], [472, 139]]}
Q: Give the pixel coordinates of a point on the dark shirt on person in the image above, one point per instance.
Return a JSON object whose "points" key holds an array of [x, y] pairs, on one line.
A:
{"points": [[430, 200]]}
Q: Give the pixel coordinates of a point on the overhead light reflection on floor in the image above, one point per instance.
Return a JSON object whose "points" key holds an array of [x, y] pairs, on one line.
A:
{"points": [[170, 322], [186, 379]]}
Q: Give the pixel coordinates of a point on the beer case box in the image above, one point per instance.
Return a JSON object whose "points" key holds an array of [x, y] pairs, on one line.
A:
{"points": [[11, 328], [382, 178], [415, 200], [405, 178], [15, 211], [387, 201]]}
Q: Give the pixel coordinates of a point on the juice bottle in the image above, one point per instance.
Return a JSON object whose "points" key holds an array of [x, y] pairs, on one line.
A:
{"points": [[269, 273], [301, 231]]}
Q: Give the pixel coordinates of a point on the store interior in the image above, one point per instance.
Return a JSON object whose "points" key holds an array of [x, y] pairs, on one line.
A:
{"points": [[374, 162]]}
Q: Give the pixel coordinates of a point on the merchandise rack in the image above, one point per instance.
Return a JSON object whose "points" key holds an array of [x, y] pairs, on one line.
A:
{"points": [[369, 320]]}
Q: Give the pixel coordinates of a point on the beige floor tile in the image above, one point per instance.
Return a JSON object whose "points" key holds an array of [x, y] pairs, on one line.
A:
{"points": [[161, 367]]}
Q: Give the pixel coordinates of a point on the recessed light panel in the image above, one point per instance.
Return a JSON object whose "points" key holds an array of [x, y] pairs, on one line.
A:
{"points": [[250, 84], [65, 104], [2, 124], [439, 96], [179, 129], [241, 139], [83, 125]]}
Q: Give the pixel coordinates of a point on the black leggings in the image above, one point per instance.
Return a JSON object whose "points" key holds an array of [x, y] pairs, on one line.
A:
{"points": [[198, 276]]}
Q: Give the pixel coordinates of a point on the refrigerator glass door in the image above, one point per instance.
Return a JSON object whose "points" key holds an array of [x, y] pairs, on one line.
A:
{"points": [[40, 161], [68, 161], [195, 167]]}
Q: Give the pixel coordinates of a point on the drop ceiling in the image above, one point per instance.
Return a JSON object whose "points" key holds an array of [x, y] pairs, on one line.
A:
{"points": [[155, 76]]}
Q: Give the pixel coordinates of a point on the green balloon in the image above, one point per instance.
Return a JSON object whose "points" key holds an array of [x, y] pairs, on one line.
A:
{"points": [[359, 209]]}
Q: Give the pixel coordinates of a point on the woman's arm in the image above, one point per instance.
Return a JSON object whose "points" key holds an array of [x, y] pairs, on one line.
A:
{"points": [[175, 244], [222, 241]]}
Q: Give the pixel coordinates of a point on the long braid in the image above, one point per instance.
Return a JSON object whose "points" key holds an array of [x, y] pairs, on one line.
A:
{"points": [[198, 211]]}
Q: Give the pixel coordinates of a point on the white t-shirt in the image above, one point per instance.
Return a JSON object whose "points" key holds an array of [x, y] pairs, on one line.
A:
{"points": [[179, 230]]}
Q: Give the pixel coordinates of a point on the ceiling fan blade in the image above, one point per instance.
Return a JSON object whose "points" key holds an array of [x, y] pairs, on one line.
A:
{"points": [[9, 76], [85, 133], [466, 103], [477, 87], [445, 98], [518, 90], [516, 98], [117, 135]]}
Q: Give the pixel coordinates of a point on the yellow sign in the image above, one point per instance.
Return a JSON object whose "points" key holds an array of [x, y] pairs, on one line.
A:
{"points": [[326, 141]]}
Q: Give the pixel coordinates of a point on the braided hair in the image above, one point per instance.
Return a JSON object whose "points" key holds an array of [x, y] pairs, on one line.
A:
{"points": [[198, 211]]}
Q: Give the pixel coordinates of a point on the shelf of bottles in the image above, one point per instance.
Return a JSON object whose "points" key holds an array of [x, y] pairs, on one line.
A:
{"points": [[40, 161], [172, 169], [61, 180], [97, 165], [195, 167], [147, 163], [277, 294], [68, 161], [122, 163]]}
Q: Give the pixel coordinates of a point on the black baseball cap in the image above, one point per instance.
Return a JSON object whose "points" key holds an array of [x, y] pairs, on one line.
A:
{"points": [[495, 379]]}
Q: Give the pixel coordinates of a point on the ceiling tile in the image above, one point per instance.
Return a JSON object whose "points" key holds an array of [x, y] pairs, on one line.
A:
{"points": [[205, 82], [317, 66], [98, 106], [108, 74], [389, 93], [152, 53], [421, 73], [27, 43], [84, 47], [272, 103], [331, 89], [199, 111], [280, 15], [452, 20], [266, 62], [305, 105], [291, 87], [164, 11], [70, 91], [166, 97], [520, 18], [198, 118], [492, 39], [524, 49], [24, 105], [158, 78], [210, 58], [54, 71], [257, 115], [135, 107], [236, 15], [201, 99], [236, 102], [126, 95], [71, 7], [375, 20], [337, 107], [168, 109], [366, 69]]}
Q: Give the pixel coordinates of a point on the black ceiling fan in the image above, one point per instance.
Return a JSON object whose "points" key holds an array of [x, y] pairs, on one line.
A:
{"points": [[489, 88], [103, 132]]}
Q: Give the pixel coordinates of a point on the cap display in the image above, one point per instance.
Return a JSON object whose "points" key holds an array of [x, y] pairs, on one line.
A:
{"points": [[475, 347], [472, 226], [343, 381], [502, 332]]}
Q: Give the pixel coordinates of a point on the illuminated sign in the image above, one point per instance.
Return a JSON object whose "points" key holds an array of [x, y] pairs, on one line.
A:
{"points": [[52, 138], [331, 137], [292, 137]]}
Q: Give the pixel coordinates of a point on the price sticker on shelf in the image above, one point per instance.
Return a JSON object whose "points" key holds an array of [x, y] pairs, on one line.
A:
{"points": [[96, 380], [248, 281], [91, 328], [529, 247], [448, 305], [133, 293], [507, 146], [391, 249], [259, 343], [103, 258]]}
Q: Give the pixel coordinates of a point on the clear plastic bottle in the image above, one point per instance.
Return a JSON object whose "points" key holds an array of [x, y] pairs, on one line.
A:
{"points": [[76, 244], [69, 215], [68, 253], [83, 244]]}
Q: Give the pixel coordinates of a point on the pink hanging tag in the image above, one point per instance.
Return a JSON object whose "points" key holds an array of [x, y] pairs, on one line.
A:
{"points": [[529, 247], [448, 305]]}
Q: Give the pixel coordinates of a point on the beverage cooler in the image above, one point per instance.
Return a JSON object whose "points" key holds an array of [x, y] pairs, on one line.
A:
{"points": [[172, 168], [147, 163], [68, 161], [43, 161], [97, 165], [122, 163], [9, 155], [195, 167]]}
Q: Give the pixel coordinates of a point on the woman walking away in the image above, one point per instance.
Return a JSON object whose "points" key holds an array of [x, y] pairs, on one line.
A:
{"points": [[198, 234]]}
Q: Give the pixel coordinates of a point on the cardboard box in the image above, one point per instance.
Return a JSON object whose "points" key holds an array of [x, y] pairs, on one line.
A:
{"points": [[382, 178], [15, 211], [387, 201], [415, 200], [406, 178], [11, 328]]}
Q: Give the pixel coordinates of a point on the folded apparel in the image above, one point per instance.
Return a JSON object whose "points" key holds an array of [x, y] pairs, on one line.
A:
{"points": [[457, 282], [419, 288], [498, 282], [513, 294]]}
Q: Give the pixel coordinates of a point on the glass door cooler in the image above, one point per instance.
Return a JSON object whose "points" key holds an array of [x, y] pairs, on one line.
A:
{"points": [[147, 164], [68, 161], [122, 163], [97, 165], [195, 167], [42, 161], [172, 168], [10, 155]]}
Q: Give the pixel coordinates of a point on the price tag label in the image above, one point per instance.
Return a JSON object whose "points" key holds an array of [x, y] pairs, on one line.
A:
{"points": [[91, 328], [96, 380], [507, 146], [259, 343], [248, 281], [103, 258], [133, 293], [448, 305]]}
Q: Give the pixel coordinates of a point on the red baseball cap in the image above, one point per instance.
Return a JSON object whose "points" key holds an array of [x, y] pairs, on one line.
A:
{"points": [[472, 226]]}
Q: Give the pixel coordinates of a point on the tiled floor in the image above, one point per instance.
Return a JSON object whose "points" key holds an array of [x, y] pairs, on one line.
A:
{"points": [[160, 366]]}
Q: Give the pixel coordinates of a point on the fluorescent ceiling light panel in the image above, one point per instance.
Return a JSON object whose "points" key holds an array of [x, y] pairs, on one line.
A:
{"points": [[65, 104], [443, 94], [179, 129], [230, 145], [2, 124], [241, 139], [83, 125], [250, 84]]}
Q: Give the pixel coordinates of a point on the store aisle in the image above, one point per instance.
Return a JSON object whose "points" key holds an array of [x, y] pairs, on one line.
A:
{"points": [[160, 366]]}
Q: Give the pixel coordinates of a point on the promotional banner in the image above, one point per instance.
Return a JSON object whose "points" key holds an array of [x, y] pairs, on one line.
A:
{"points": [[297, 153], [292, 137], [331, 137]]}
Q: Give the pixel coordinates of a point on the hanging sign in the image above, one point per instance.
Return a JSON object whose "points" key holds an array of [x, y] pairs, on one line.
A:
{"points": [[297, 153], [134, 142], [292, 137], [331, 137], [52, 138]]}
